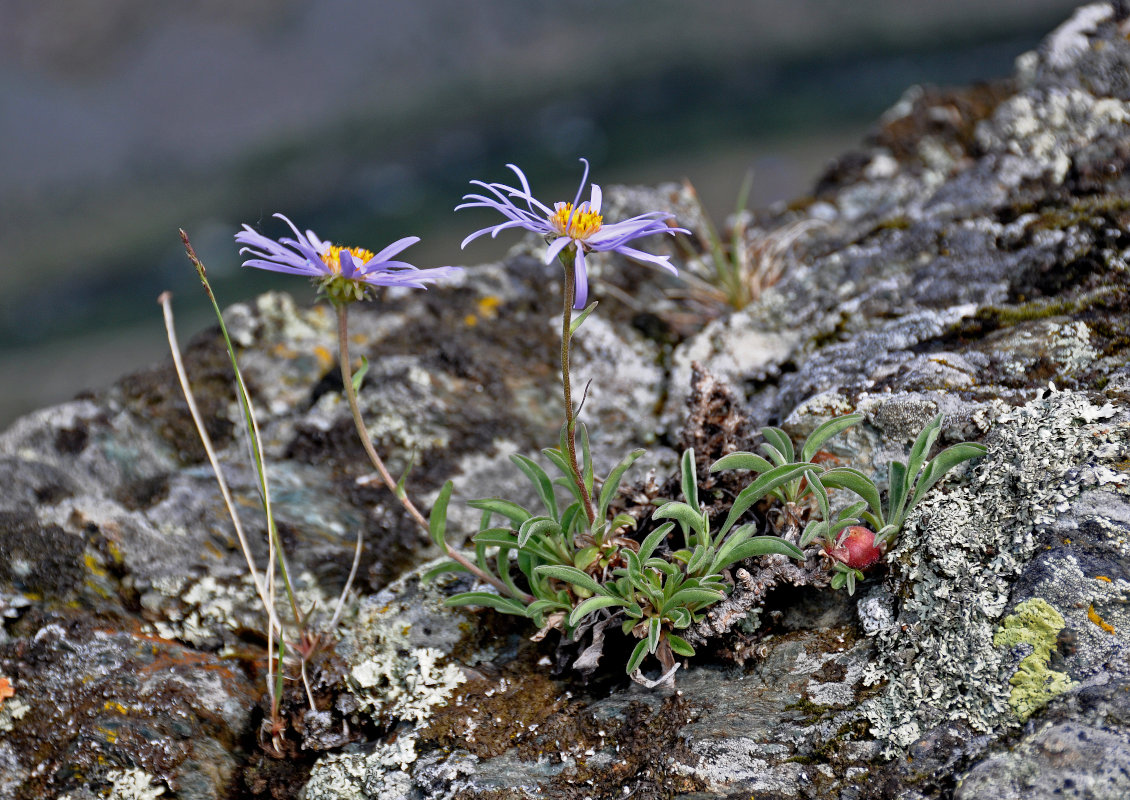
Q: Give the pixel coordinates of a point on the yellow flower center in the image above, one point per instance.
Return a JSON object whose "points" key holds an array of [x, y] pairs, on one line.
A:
{"points": [[332, 256], [584, 223]]}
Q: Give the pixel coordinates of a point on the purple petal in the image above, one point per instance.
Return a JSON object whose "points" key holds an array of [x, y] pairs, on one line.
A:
{"points": [[594, 203], [276, 267], [348, 265], [394, 248], [556, 247], [577, 197], [581, 292], [648, 258]]}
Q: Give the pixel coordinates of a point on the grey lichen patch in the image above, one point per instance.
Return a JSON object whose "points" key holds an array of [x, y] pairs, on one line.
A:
{"points": [[380, 774], [399, 649], [955, 561], [201, 612], [11, 712], [1034, 625], [123, 784], [1038, 132]]}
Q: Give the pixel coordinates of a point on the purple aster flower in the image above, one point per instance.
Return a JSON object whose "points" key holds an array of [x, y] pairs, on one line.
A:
{"points": [[577, 225], [344, 273]]}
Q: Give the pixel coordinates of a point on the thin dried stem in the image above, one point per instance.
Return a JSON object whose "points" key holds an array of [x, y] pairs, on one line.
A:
{"points": [[260, 587], [378, 463]]}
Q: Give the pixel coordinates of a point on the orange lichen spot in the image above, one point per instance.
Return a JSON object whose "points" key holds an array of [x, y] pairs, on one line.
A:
{"points": [[6, 689], [324, 356], [1103, 578], [488, 306], [1094, 617]]}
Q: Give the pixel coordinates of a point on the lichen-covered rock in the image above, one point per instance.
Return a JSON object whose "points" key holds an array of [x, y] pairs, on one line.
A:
{"points": [[970, 260]]}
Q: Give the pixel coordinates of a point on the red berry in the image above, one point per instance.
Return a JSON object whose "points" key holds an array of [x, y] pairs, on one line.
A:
{"points": [[856, 548]]}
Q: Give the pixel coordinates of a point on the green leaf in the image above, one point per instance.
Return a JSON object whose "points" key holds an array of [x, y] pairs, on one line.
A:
{"points": [[688, 518], [942, 463], [692, 597], [593, 604], [512, 511], [442, 568], [741, 460], [437, 518], [571, 575], [400, 492], [838, 580], [759, 546], [586, 459], [542, 484], [579, 320], [620, 520], [585, 557], [507, 605], [496, 537], [502, 569], [690, 478], [921, 448], [537, 526], [815, 529], [573, 519], [780, 442], [654, 628], [854, 481], [896, 491], [764, 484], [637, 655], [852, 511], [612, 482], [679, 646], [359, 375], [654, 539], [826, 431], [821, 493], [701, 557], [542, 606]]}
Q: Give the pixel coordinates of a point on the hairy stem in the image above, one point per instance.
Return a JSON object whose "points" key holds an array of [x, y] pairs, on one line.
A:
{"points": [[570, 420], [374, 457]]}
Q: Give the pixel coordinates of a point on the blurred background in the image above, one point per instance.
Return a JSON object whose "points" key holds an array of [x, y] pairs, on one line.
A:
{"points": [[122, 120]]}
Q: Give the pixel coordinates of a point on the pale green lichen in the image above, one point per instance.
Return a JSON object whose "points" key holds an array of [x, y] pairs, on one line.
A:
{"points": [[380, 774], [398, 647], [124, 784], [957, 558], [206, 608], [12, 710], [1035, 624]]}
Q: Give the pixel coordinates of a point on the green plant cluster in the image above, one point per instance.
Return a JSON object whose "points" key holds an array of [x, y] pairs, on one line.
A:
{"points": [[559, 568]]}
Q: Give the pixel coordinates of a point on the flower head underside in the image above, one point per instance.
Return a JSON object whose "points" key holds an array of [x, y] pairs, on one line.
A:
{"points": [[578, 225], [345, 274]]}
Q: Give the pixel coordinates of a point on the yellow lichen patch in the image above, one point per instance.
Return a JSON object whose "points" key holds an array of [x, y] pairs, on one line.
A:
{"points": [[1037, 625], [114, 705], [282, 351], [470, 320], [1094, 617], [488, 306], [1103, 578]]}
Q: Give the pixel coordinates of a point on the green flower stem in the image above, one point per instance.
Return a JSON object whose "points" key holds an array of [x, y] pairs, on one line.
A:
{"points": [[566, 256], [374, 457]]}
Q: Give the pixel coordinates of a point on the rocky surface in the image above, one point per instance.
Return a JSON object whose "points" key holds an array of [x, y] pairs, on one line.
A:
{"points": [[971, 259]]}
